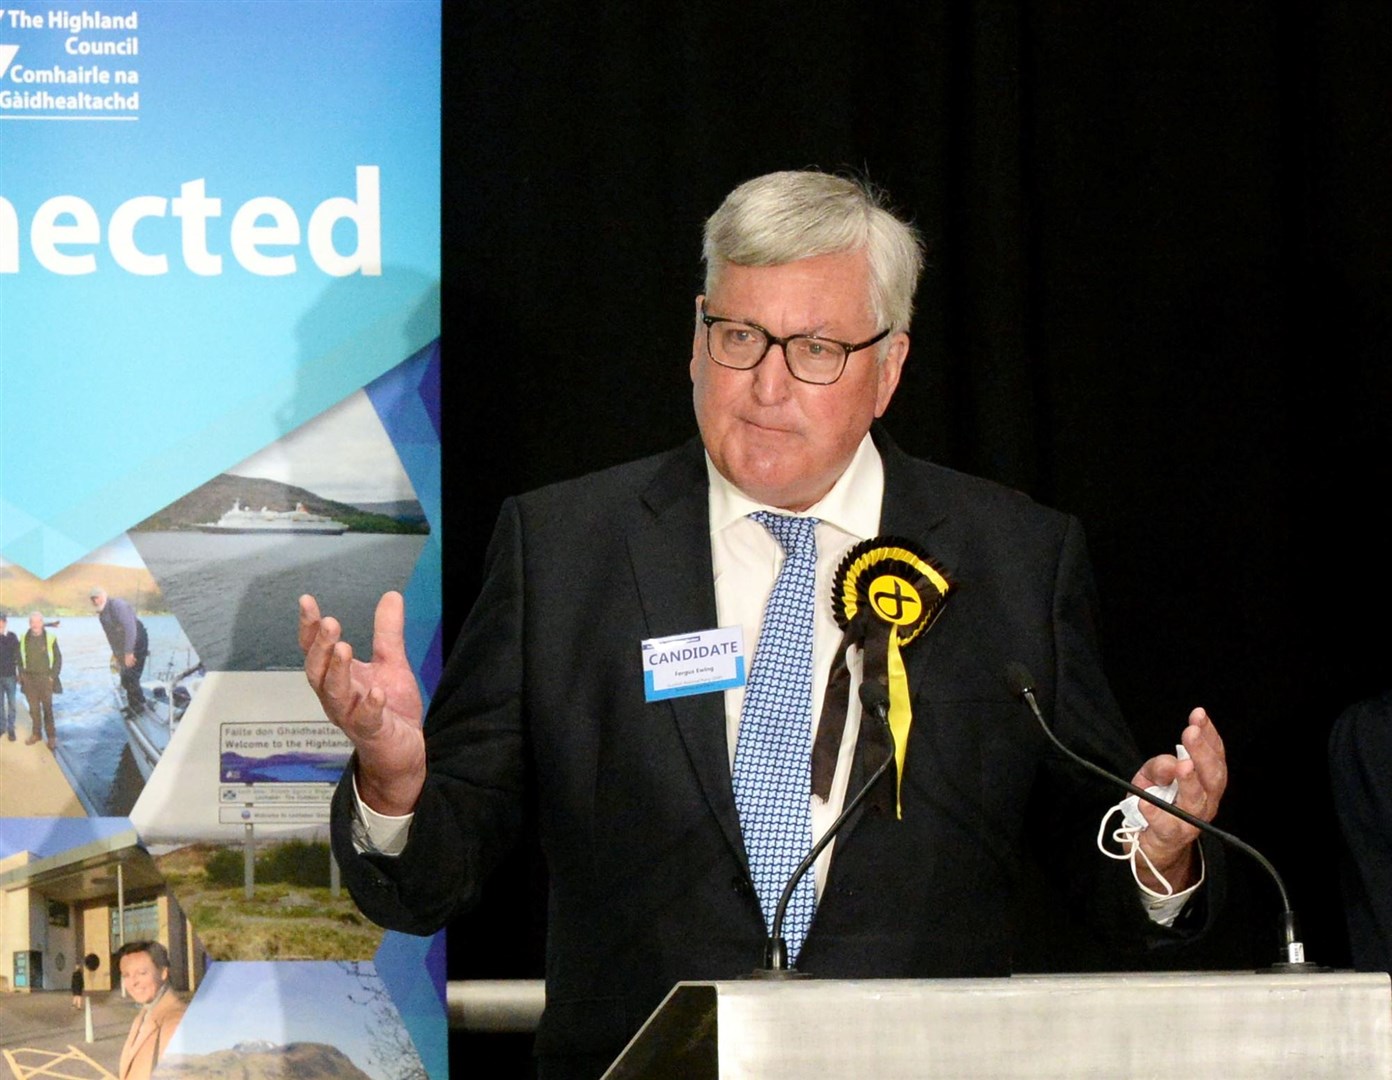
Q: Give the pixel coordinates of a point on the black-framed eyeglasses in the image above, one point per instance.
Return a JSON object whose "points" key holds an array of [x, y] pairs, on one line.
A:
{"points": [[810, 359]]}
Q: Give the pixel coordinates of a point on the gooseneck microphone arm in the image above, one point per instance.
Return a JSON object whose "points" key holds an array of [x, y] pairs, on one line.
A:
{"points": [[874, 701], [1292, 951]]}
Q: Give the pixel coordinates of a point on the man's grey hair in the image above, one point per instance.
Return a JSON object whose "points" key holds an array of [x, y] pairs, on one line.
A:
{"points": [[785, 216]]}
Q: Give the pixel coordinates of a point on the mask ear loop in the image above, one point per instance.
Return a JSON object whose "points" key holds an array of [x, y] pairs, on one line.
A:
{"points": [[1127, 836]]}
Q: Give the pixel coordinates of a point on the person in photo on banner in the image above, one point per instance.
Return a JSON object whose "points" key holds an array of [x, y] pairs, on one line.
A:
{"points": [[40, 667], [9, 678], [129, 641], [144, 968], [600, 681]]}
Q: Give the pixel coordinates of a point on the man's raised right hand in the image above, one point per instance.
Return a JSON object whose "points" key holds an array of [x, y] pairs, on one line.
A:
{"points": [[377, 704]]}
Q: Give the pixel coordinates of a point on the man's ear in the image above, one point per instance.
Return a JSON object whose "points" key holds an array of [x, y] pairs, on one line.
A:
{"points": [[697, 339], [889, 370]]}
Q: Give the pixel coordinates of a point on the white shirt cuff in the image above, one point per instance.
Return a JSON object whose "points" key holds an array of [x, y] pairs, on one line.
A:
{"points": [[377, 834], [1164, 910]]}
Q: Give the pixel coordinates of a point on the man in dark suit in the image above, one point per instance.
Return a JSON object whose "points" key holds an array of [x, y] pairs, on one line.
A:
{"points": [[1360, 769], [798, 344]]}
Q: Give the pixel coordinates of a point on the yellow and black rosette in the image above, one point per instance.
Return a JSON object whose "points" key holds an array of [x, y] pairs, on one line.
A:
{"points": [[885, 595]]}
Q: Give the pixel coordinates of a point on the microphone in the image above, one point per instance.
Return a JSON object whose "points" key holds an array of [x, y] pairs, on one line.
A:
{"points": [[874, 701], [1021, 685]]}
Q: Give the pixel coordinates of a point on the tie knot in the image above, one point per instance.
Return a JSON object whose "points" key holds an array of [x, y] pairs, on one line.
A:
{"points": [[793, 533]]}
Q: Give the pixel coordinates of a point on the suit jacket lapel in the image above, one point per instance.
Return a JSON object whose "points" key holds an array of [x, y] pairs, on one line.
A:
{"points": [[909, 510], [670, 553], [914, 511]]}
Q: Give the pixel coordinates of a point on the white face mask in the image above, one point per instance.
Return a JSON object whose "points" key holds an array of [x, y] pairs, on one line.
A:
{"points": [[1127, 836]]}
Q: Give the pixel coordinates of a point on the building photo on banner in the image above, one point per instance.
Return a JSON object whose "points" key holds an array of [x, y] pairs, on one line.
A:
{"points": [[247, 410]]}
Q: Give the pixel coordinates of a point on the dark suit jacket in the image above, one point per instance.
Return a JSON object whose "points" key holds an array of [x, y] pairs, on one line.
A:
{"points": [[1360, 766], [543, 700]]}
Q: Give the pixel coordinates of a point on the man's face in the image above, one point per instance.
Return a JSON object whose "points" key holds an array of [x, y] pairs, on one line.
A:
{"points": [[781, 441], [99, 601], [36, 624], [141, 978]]}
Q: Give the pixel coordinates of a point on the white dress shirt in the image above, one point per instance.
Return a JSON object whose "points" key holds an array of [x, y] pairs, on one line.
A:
{"points": [[746, 559]]}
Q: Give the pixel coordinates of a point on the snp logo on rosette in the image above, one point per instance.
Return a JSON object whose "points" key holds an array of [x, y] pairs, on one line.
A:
{"points": [[69, 64]]}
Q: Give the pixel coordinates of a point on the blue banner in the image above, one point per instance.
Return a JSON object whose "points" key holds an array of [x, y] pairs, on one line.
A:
{"points": [[219, 388]]}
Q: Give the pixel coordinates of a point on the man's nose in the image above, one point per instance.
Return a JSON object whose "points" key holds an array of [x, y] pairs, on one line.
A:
{"points": [[772, 378]]}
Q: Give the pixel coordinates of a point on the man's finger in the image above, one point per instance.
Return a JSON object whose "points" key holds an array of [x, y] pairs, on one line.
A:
{"points": [[1193, 795], [320, 652], [389, 629], [1205, 732], [1205, 746], [336, 690], [1159, 771], [1210, 768], [309, 621]]}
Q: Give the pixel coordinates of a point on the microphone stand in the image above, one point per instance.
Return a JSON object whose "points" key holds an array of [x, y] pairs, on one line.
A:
{"points": [[874, 701], [1292, 949]]}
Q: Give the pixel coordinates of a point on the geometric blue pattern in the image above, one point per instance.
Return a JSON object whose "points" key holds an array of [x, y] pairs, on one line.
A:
{"points": [[773, 751], [406, 400], [254, 357], [412, 969]]}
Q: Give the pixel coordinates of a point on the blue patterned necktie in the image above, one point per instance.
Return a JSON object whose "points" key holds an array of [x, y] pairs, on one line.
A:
{"points": [[773, 752]]}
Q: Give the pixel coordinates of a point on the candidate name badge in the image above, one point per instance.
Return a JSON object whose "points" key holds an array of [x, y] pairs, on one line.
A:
{"points": [[699, 663]]}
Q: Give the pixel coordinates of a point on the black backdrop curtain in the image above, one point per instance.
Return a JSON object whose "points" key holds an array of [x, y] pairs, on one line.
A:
{"points": [[1158, 298]]}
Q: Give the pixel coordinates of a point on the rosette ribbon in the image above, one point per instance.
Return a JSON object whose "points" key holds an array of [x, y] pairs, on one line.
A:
{"points": [[885, 595]]}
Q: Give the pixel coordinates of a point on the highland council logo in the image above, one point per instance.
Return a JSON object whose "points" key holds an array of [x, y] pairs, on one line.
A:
{"points": [[76, 65]]}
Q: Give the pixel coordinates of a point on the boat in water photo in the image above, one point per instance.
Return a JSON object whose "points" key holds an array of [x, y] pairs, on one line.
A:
{"points": [[242, 519]]}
